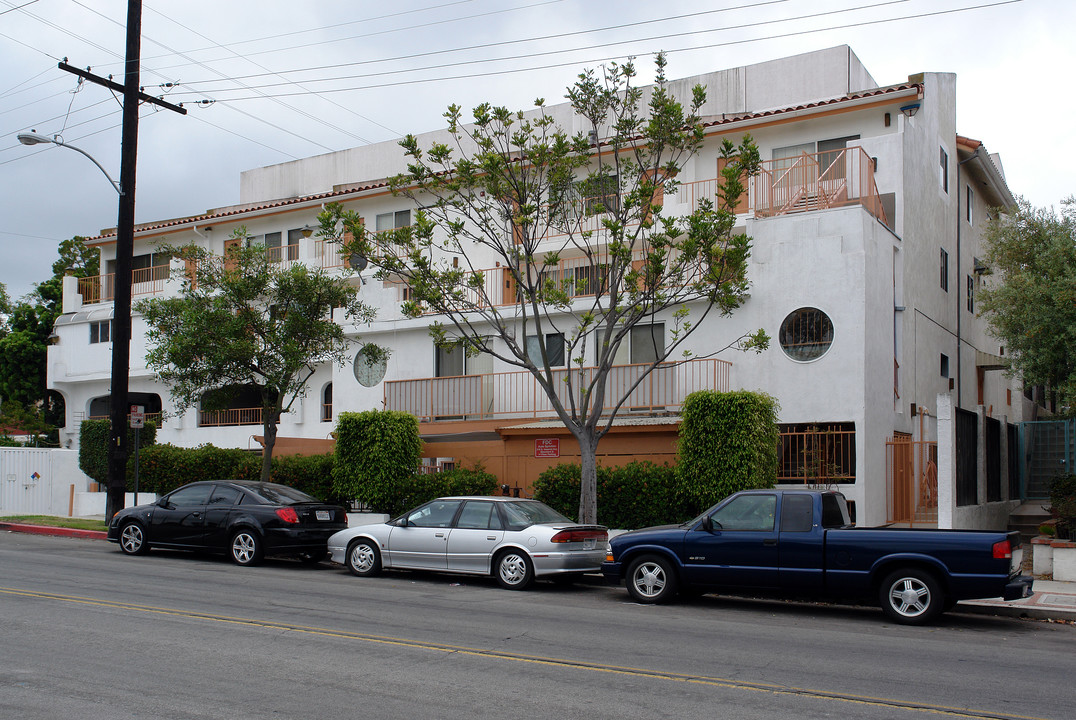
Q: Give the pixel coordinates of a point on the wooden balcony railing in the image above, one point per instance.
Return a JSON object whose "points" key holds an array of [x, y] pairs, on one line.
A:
{"points": [[518, 395], [233, 416], [154, 418], [834, 178]]}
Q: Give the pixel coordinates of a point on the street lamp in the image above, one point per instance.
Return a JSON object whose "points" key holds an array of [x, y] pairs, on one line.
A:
{"points": [[121, 321], [33, 138]]}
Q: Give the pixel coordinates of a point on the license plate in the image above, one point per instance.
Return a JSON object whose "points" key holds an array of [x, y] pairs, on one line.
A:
{"points": [[588, 544], [324, 515]]}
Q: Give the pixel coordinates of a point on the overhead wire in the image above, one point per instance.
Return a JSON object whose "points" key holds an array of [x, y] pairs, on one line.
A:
{"points": [[576, 62], [554, 52]]}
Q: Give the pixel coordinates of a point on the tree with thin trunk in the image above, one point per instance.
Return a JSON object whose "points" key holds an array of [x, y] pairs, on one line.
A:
{"points": [[581, 250], [1029, 296], [247, 322]]}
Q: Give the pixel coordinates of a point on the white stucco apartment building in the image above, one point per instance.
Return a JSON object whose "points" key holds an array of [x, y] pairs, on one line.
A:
{"points": [[868, 296]]}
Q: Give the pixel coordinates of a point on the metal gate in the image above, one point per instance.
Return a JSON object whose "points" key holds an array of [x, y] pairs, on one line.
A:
{"points": [[25, 481], [913, 481], [1047, 449]]}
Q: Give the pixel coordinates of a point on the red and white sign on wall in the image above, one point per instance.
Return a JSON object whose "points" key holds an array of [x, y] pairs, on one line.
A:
{"points": [[547, 448]]}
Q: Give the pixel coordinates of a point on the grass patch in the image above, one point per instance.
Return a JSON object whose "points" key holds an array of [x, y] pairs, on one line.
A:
{"points": [[64, 522]]}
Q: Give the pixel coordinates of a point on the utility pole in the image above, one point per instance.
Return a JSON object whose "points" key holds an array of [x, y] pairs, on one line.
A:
{"points": [[121, 321]]}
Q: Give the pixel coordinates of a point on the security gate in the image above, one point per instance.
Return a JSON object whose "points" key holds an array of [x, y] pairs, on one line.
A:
{"points": [[1047, 449]]}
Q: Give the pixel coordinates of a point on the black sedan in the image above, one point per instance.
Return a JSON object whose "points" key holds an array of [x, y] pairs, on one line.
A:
{"points": [[244, 519]]}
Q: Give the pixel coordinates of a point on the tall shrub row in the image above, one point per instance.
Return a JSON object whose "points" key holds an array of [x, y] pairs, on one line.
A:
{"points": [[629, 496], [728, 443], [93, 438]]}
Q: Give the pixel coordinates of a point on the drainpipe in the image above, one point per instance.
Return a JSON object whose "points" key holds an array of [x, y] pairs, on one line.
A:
{"points": [[960, 280]]}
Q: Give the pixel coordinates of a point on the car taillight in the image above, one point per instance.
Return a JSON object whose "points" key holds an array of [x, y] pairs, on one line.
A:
{"points": [[566, 536], [1002, 550], [287, 514]]}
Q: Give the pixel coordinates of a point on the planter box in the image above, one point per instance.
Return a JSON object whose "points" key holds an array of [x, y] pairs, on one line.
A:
{"points": [[1064, 552], [1042, 555]]}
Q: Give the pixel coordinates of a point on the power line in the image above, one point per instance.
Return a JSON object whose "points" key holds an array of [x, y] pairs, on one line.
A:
{"points": [[707, 46], [562, 51], [302, 112], [556, 36]]}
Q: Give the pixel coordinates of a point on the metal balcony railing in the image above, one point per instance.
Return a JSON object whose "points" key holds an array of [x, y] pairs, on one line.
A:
{"points": [[834, 178]]}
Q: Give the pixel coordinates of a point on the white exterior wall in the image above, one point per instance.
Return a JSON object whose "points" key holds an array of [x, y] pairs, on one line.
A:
{"points": [[879, 286]]}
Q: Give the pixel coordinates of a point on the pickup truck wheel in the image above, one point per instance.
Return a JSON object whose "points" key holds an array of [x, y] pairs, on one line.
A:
{"points": [[911, 597], [651, 579]]}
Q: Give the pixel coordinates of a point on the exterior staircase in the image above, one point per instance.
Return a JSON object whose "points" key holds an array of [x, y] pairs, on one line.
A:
{"points": [[1027, 518]]}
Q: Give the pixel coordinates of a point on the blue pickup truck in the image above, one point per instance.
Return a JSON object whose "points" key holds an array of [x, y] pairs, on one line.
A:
{"points": [[802, 543]]}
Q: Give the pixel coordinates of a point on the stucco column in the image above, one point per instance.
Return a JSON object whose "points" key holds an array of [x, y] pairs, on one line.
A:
{"points": [[71, 299], [946, 461]]}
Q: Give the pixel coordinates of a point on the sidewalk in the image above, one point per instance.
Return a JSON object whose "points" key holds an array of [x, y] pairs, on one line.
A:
{"points": [[1054, 601]]}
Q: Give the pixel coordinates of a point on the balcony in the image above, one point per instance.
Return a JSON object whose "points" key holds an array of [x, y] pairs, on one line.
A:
{"points": [[102, 288], [830, 179], [517, 395]]}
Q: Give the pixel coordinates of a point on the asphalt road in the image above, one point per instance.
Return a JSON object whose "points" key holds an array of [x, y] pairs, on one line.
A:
{"points": [[88, 633]]}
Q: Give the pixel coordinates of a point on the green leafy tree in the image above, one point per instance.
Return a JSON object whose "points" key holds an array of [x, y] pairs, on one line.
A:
{"points": [[1030, 303], [246, 322], [25, 337], [581, 237]]}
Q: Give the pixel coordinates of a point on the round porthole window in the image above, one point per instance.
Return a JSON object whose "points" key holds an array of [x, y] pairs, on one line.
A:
{"points": [[806, 334], [370, 365]]}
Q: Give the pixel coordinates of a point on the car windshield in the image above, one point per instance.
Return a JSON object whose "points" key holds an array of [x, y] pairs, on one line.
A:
{"points": [[525, 513], [274, 494]]}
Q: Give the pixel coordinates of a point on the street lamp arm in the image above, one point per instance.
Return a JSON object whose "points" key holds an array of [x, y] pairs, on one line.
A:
{"points": [[36, 139]]}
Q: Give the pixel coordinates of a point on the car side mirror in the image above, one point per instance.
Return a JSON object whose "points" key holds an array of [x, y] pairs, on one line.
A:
{"points": [[707, 524]]}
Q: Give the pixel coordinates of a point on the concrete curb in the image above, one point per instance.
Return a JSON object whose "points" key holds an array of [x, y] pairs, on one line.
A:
{"points": [[49, 530]]}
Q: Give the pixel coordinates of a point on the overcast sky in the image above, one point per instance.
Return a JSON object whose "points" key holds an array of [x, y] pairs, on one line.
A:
{"points": [[376, 70]]}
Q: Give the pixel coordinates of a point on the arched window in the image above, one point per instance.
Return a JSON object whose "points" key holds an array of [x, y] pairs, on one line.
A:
{"points": [[327, 403]]}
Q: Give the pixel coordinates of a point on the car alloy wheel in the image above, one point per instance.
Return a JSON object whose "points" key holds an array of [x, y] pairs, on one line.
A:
{"points": [[363, 558], [514, 570], [651, 580], [246, 548], [132, 539], [911, 597]]}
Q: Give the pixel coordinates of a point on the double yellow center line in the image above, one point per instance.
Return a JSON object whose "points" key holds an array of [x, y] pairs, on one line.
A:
{"points": [[520, 658]]}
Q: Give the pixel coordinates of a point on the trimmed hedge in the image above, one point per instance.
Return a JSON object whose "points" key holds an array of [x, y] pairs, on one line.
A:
{"points": [[1063, 504], [375, 451], [728, 443], [631, 496], [163, 468], [93, 438]]}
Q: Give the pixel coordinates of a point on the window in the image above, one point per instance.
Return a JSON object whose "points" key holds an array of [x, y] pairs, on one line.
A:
{"points": [[970, 203], [554, 347], [100, 332], [944, 365], [450, 361], [437, 514], [747, 512], [224, 495], [392, 220], [276, 251], [479, 515], [944, 270], [835, 511], [943, 167], [188, 496], [147, 267], [971, 294], [797, 513], [644, 344], [806, 334], [600, 193], [327, 403]]}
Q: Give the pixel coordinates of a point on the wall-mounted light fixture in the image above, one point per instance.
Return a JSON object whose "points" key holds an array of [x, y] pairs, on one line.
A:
{"points": [[910, 110], [307, 231]]}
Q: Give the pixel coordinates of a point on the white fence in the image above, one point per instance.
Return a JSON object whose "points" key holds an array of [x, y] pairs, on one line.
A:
{"points": [[36, 481]]}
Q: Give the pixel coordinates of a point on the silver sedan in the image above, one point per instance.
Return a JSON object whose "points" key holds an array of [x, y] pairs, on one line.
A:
{"points": [[513, 540]]}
